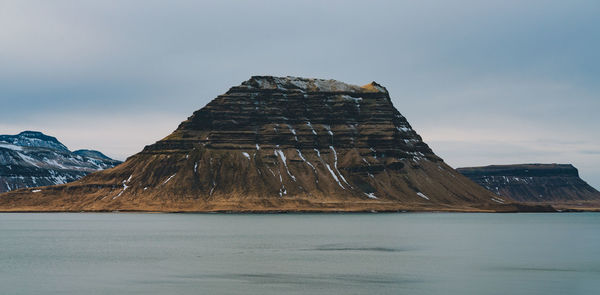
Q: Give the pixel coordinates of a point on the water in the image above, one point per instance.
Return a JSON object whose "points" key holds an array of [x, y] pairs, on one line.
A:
{"points": [[426, 253]]}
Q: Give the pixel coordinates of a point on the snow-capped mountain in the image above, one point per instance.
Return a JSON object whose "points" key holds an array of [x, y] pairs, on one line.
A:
{"points": [[34, 139], [31, 159]]}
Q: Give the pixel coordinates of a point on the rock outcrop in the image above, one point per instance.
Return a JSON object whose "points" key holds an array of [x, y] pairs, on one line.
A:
{"points": [[535, 183], [31, 159], [279, 144]]}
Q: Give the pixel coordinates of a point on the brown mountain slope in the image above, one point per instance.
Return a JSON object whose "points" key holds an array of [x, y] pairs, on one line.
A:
{"points": [[278, 144]]}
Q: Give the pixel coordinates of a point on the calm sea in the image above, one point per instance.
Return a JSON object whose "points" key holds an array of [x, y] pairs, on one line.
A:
{"points": [[428, 253]]}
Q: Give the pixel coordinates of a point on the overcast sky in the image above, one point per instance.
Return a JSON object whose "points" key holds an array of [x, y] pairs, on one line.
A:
{"points": [[484, 82]]}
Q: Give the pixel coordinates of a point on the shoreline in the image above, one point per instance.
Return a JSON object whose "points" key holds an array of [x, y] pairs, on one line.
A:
{"points": [[299, 212]]}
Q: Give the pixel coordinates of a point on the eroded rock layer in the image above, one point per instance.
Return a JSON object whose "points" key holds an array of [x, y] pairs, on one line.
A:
{"points": [[279, 144]]}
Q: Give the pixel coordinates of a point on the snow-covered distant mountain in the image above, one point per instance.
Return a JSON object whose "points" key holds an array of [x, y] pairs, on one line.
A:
{"points": [[33, 139], [31, 159]]}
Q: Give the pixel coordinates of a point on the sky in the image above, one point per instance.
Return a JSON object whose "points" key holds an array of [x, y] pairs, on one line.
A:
{"points": [[483, 82]]}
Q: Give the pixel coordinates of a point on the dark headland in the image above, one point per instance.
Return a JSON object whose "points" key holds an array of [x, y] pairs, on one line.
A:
{"points": [[556, 184]]}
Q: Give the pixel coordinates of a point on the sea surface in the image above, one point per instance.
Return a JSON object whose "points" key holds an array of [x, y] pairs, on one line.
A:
{"points": [[402, 253]]}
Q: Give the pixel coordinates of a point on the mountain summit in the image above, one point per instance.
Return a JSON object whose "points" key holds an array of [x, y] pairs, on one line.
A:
{"points": [[278, 144], [34, 139]]}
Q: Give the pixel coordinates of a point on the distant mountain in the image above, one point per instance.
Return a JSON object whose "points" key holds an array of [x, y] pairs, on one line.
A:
{"points": [[32, 159], [34, 139], [279, 144], [92, 154], [537, 183]]}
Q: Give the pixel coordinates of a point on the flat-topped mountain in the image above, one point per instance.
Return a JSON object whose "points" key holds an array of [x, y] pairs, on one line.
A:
{"points": [[538, 183], [278, 144], [31, 159]]}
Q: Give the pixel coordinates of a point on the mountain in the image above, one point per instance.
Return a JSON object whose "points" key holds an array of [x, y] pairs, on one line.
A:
{"points": [[31, 159], [34, 139], [279, 144], [92, 154], [535, 183]]}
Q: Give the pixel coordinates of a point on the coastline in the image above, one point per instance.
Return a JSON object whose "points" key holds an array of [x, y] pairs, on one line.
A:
{"points": [[305, 211]]}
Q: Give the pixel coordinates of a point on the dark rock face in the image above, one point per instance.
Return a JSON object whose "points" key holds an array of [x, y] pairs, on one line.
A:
{"points": [[540, 183], [277, 112], [31, 159], [280, 144]]}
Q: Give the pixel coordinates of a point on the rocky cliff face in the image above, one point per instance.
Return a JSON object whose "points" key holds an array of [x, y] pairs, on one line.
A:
{"points": [[539, 183], [31, 159], [279, 144]]}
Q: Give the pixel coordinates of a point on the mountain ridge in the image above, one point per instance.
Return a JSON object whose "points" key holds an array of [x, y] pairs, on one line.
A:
{"points": [[32, 159], [555, 184], [33, 139]]}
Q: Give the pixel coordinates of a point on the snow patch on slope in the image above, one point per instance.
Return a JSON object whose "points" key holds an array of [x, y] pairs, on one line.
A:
{"points": [[422, 195], [371, 195], [10, 146], [336, 166], [284, 160], [169, 178]]}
